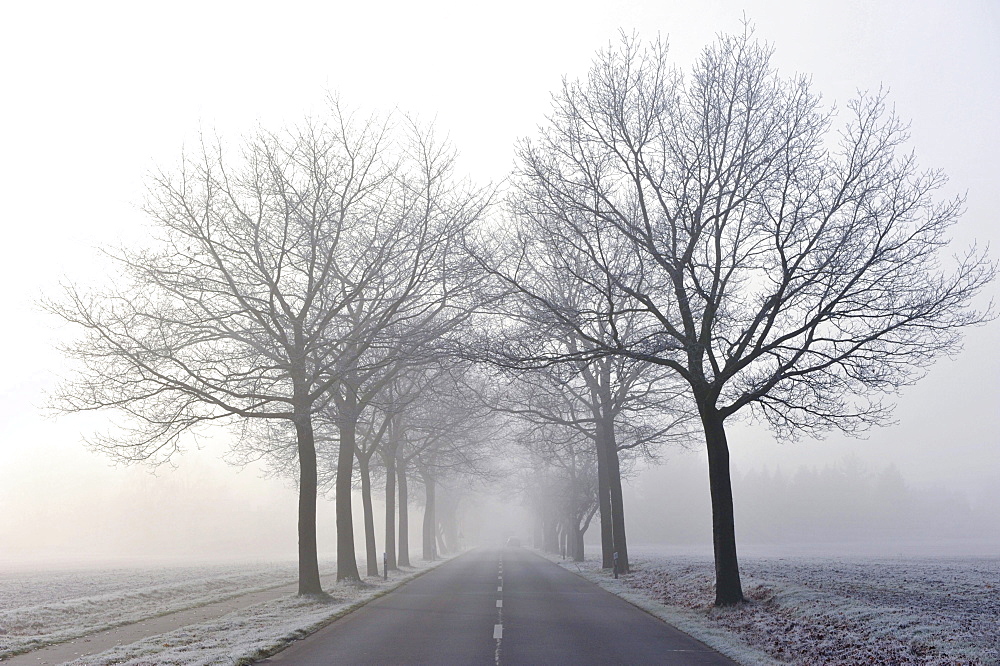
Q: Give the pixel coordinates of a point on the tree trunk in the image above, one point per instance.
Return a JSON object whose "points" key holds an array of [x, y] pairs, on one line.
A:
{"points": [[728, 589], [371, 549], [574, 539], [309, 582], [577, 537], [588, 517], [347, 421], [430, 522], [390, 508], [617, 502], [403, 557], [604, 506]]}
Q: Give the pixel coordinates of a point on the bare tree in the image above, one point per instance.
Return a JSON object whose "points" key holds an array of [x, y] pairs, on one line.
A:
{"points": [[405, 389], [410, 405], [447, 436], [547, 293], [424, 290], [560, 479], [622, 407], [375, 413], [236, 309], [776, 262]]}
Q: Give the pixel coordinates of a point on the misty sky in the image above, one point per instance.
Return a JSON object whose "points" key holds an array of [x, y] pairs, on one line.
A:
{"points": [[97, 94]]}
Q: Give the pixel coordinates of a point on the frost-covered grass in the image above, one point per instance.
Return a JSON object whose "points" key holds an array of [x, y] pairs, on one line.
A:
{"points": [[826, 611], [40, 608], [250, 634], [47, 607]]}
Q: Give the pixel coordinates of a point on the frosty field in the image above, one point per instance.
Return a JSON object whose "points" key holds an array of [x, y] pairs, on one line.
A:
{"points": [[49, 607], [806, 610], [38, 608]]}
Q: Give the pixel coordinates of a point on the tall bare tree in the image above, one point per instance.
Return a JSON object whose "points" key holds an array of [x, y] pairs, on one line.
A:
{"points": [[780, 259], [235, 310]]}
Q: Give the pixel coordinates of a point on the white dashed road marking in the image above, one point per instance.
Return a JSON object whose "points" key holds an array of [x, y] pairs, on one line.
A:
{"points": [[498, 627]]}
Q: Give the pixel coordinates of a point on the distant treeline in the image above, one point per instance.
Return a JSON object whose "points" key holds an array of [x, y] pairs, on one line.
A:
{"points": [[835, 503]]}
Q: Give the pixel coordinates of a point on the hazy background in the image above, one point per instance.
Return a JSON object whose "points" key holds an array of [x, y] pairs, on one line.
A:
{"points": [[96, 94]]}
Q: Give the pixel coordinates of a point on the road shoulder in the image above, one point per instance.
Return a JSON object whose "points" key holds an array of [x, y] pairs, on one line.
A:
{"points": [[692, 622]]}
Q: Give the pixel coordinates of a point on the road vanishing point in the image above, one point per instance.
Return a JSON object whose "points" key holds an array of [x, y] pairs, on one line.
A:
{"points": [[498, 606]]}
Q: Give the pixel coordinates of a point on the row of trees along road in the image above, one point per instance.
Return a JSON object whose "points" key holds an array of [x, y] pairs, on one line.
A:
{"points": [[677, 248], [280, 282], [575, 413]]}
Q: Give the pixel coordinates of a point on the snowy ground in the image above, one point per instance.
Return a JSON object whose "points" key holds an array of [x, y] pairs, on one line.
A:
{"points": [[826, 611], [50, 607]]}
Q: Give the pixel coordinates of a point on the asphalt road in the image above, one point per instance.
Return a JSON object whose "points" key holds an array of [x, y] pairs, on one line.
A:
{"points": [[504, 606]]}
